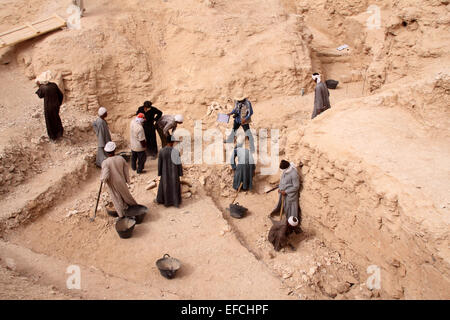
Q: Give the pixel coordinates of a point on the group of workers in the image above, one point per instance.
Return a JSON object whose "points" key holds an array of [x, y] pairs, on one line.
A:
{"points": [[143, 142]]}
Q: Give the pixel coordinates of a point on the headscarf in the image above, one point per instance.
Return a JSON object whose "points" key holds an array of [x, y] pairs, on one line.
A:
{"points": [[44, 77], [316, 76], [292, 166]]}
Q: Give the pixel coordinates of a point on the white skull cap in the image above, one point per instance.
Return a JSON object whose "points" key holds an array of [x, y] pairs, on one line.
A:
{"points": [[110, 147], [179, 118], [101, 111]]}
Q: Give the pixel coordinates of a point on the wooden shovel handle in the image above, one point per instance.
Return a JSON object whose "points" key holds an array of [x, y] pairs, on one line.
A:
{"points": [[239, 189], [282, 205]]}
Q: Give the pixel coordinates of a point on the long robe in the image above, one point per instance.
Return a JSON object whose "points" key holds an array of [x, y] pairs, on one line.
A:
{"points": [[115, 173], [170, 170], [103, 137], [290, 183], [278, 234], [244, 170], [321, 99], [53, 98], [152, 115]]}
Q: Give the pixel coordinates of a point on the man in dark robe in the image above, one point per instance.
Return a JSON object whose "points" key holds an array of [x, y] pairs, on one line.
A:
{"points": [[152, 115], [321, 96], [103, 135], [170, 170], [245, 170], [53, 99]]}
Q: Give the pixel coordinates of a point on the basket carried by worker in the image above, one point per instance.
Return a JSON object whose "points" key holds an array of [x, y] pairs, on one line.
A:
{"points": [[168, 266], [125, 227], [237, 211], [331, 84], [137, 212]]}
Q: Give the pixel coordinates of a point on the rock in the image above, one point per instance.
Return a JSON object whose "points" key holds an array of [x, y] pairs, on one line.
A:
{"points": [[329, 289], [225, 194], [350, 279], [184, 188], [151, 185], [343, 287], [70, 213], [312, 271], [186, 195], [202, 180], [10, 264]]}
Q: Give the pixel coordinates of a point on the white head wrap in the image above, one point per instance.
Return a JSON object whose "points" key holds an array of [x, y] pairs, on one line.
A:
{"points": [[293, 221], [110, 147], [316, 77], [44, 77], [291, 167], [179, 118], [101, 111]]}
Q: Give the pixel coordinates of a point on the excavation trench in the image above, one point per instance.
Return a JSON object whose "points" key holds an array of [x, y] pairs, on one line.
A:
{"points": [[216, 249]]}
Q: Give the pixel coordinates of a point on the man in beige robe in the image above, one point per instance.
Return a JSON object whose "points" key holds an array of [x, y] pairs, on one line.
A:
{"points": [[115, 174]]}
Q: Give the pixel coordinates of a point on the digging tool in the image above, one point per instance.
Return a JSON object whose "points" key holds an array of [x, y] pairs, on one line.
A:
{"points": [[239, 189], [282, 207], [98, 199], [274, 188]]}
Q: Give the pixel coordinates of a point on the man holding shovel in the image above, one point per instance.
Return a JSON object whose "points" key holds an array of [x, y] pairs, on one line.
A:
{"points": [[289, 194], [115, 173]]}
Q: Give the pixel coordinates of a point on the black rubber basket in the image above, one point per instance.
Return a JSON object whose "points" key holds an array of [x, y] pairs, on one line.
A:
{"points": [[237, 211], [331, 84], [168, 266], [125, 227], [137, 212]]}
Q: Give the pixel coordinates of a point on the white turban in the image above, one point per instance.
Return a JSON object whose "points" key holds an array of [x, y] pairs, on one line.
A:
{"points": [[293, 221], [316, 77], [44, 77], [179, 118], [101, 111], [110, 147]]}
